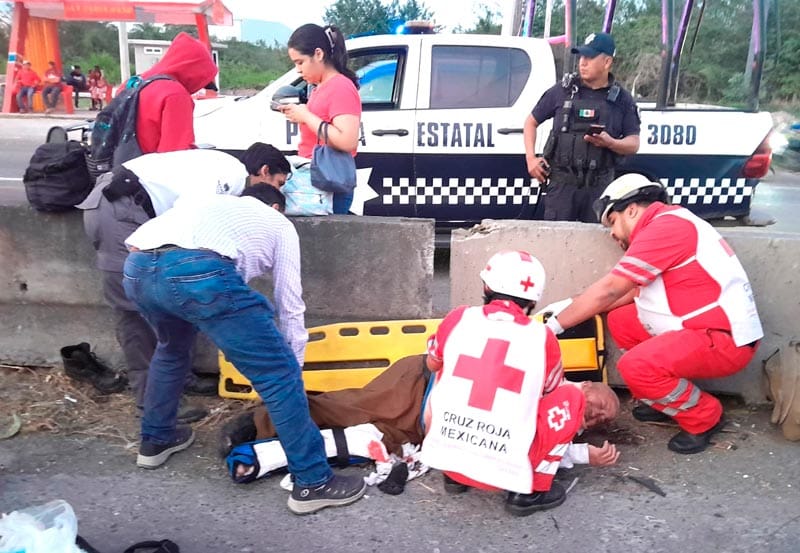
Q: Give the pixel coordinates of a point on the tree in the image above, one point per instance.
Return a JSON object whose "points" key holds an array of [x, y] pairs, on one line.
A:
{"points": [[146, 31], [487, 24], [410, 11], [356, 17], [90, 43], [246, 66], [171, 31], [5, 27], [782, 69], [638, 60]]}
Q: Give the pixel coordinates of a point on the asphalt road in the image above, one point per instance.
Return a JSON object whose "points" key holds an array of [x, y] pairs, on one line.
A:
{"points": [[742, 496], [778, 195]]}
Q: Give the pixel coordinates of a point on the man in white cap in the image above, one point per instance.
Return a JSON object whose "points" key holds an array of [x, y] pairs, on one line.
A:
{"points": [[679, 303], [500, 415], [595, 124]]}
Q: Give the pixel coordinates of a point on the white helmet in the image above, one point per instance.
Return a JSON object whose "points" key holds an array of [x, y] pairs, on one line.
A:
{"points": [[515, 273], [628, 188]]}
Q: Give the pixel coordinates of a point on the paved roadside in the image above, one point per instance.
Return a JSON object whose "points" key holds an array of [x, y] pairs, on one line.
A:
{"points": [[741, 496]]}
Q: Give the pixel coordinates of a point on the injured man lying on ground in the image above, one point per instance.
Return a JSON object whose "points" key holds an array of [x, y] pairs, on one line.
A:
{"points": [[381, 422]]}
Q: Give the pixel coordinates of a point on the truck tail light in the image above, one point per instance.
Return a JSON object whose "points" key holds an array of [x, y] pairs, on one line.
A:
{"points": [[757, 166]]}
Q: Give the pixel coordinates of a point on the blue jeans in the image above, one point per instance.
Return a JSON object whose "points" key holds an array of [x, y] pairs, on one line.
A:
{"points": [[342, 203], [182, 291], [50, 96], [25, 92]]}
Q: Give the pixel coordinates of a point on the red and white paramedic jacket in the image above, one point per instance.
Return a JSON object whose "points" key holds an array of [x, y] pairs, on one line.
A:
{"points": [[688, 275], [497, 364]]}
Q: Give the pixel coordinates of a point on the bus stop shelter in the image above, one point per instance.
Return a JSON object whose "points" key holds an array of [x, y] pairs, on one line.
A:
{"points": [[34, 27]]}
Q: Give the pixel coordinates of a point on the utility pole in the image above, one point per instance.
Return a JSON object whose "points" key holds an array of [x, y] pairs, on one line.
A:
{"points": [[528, 17], [756, 53], [124, 54], [512, 18], [548, 18], [570, 29], [667, 38]]}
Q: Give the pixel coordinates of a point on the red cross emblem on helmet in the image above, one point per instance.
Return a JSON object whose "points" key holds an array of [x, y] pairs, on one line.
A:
{"points": [[515, 273]]}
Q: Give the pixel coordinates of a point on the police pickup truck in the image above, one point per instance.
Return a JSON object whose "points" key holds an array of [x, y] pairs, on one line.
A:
{"points": [[442, 132]]}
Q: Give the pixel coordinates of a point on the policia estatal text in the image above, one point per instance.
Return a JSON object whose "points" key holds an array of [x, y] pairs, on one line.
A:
{"points": [[595, 123]]}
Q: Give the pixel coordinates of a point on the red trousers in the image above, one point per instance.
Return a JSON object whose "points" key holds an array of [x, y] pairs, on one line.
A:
{"points": [[559, 418], [657, 369]]}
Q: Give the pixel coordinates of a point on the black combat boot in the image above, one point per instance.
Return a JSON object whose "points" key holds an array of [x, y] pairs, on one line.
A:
{"points": [[80, 363]]}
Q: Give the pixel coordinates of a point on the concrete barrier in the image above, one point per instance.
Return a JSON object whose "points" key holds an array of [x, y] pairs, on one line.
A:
{"points": [[576, 254], [357, 268], [354, 268]]}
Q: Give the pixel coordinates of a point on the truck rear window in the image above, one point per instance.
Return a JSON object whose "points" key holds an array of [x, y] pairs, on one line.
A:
{"points": [[477, 76]]}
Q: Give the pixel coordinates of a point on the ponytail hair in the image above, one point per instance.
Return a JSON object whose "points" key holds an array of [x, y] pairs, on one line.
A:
{"points": [[307, 38]]}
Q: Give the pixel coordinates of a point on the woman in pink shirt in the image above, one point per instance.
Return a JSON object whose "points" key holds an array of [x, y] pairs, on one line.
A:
{"points": [[320, 56], [97, 87]]}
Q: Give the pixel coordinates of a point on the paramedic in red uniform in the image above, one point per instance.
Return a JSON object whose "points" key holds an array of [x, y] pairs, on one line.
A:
{"points": [[487, 422], [165, 121], [679, 303]]}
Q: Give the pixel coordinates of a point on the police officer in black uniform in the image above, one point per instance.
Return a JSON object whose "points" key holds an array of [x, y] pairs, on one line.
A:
{"points": [[595, 123]]}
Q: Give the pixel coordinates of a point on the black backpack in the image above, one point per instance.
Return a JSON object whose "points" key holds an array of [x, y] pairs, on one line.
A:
{"points": [[57, 177], [114, 132]]}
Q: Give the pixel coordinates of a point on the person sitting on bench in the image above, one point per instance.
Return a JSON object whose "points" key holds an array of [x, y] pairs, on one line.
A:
{"points": [[77, 80]]}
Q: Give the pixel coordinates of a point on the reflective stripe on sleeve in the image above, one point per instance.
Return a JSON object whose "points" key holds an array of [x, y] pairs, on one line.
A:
{"points": [[547, 467]]}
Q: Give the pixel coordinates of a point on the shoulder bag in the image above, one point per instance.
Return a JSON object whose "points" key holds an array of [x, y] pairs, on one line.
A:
{"points": [[332, 170]]}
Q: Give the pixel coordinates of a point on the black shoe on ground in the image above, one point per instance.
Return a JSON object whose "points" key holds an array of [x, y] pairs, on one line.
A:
{"points": [[189, 412], [686, 443], [80, 363], [153, 455], [203, 386], [452, 487], [645, 413], [395, 483], [524, 504], [336, 492]]}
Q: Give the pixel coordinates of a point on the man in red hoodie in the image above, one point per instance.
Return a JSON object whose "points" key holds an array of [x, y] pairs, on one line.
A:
{"points": [[164, 123], [166, 109]]}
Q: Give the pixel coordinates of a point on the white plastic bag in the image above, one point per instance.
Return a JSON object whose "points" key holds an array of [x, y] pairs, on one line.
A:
{"points": [[48, 528]]}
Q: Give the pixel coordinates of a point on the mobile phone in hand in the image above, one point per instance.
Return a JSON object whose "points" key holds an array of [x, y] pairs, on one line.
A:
{"points": [[545, 167], [596, 129], [275, 106]]}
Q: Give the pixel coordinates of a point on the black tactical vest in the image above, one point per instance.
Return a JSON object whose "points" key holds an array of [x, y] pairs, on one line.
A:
{"points": [[566, 150]]}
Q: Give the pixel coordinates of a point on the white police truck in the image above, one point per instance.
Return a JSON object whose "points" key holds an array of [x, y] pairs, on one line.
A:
{"points": [[442, 132]]}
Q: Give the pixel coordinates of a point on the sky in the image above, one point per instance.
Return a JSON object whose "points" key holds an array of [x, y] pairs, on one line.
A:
{"points": [[450, 13]]}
